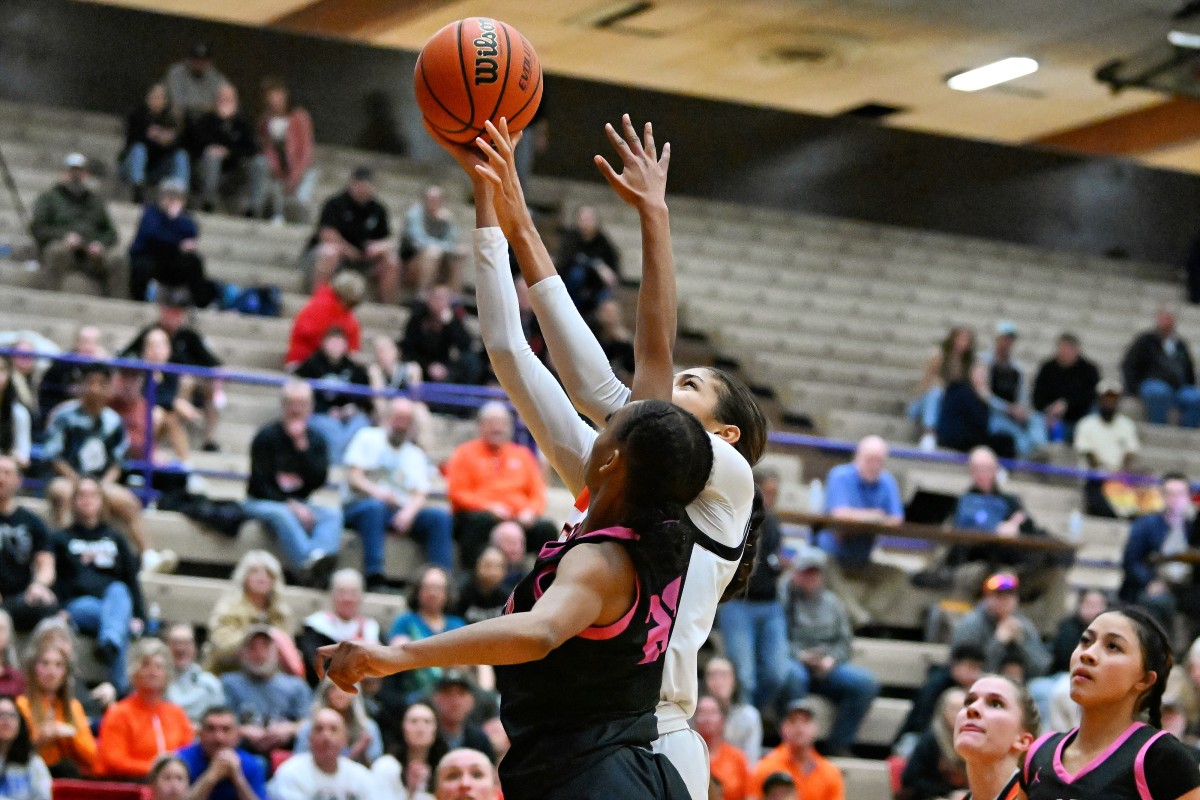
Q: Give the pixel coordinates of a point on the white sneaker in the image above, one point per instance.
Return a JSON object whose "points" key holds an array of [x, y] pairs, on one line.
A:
{"points": [[928, 443], [161, 561]]}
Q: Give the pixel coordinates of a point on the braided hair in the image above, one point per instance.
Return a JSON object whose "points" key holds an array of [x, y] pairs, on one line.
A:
{"points": [[1156, 658]]}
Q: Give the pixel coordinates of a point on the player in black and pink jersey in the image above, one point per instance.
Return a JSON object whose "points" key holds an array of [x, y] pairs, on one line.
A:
{"points": [[1118, 674], [580, 649], [992, 731]]}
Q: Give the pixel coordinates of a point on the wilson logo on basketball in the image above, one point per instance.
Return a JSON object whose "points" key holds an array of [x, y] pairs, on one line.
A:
{"points": [[486, 68], [526, 65]]}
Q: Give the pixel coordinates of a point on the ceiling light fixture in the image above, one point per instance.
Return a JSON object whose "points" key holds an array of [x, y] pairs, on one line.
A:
{"points": [[989, 75]]}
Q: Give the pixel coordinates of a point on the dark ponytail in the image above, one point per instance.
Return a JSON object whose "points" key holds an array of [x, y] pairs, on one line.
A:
{"points": [[739, 585], [1156, 658], [736, 406]]}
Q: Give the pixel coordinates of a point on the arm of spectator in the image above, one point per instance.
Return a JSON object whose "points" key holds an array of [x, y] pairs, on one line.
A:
{"points": [[1038, 657], [357, 478], [262, 482], [302, 158], [642, 184], [82, 745], [315, 465], [115, 738], [534, 501], [39, 591], [43, 225], [461, 488], [1133, 365], [841, 648], [407, 514], [106, 231]]}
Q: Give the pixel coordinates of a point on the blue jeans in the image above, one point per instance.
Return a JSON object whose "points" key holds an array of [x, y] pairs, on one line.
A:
{"points": [[755, 633], [850, 688], [926, 408], [298, 545], [133, 167], [1159, 398], [107, 618], [1026, 438], [338, 432], [302, 195], [254, 170], [432, 527]]}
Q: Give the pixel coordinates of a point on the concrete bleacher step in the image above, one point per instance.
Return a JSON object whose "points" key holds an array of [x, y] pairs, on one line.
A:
{"points": [[898, 664], [865, 779], [879, 727]]}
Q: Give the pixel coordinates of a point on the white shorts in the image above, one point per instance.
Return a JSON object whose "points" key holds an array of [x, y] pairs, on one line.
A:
{"points": [[688, 753]]}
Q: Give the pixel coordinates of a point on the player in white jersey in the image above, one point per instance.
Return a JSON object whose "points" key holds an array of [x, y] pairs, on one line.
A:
{"points": [[722, 512]]}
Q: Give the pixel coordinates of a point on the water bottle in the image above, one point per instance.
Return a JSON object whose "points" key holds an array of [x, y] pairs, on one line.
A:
{"points": [[816, 497], [1058, 431], [6, 249], [1075, 526], [153, 619]]}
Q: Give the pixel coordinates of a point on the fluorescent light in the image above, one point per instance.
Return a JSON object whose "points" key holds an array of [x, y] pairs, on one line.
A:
{"points": [[1184, 39], [991, 74]]}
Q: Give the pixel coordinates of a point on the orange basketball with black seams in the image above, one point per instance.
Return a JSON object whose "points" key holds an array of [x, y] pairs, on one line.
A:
{"points": [[474, 70]]}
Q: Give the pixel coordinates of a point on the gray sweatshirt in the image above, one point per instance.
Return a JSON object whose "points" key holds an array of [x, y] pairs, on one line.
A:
{"points": [[979, 629], [819, 621]]}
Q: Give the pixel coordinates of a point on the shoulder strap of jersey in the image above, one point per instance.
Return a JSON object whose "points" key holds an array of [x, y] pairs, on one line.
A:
{"points": [[1139, 766], [723, 551], [1033, 751]]}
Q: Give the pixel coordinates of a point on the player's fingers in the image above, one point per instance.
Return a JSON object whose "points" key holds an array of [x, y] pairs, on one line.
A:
{"points": [[635, 145], [494, 158], [648, 141], [665, 161], [620, 144], [497, 143], [489, 175], [606, 170], [505, 143]]}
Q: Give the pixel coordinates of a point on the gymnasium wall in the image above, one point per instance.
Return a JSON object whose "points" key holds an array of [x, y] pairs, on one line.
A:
{"points": [[101, 58]]}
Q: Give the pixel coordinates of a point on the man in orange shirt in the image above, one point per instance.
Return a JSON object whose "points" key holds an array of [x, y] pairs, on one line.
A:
{"points": [[491, 480], [816, 777], [726, 763]]}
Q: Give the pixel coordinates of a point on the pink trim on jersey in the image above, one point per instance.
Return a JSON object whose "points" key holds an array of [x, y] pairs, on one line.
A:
{"points": [[1139, 767], [615, 532], [1061, 771], [597, 632], [1033, 748]]}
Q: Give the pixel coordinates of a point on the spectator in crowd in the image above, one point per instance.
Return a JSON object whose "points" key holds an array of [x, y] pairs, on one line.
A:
{"points": [[1051, 690], [743, 722], [950, 362], [935, 770], [12, 676], [86, 439], [26, 374], [58, 631], [353, 232], [338, 415], [1182, 697], [171, 412], [255, 599], [1166, 587], [387, 484], [331, 306], [289, 460], [1064, 390], [965, 414], [16, 423], [388, 371], [217, 769], [588, 262], [60, 382], [483, 593], [726, 762], [223, 145], [754, 626], [1158, 368], [821, 641], [324, 772], [164, 249], [268, 704], [466, 774], [437, 339], [192, 688], [492, 479], [97, 579], [364, 741], [509, 538], [814, 777], [285, 136], [417, 750], [862, 491], [126, 748], [24, 776], [429, 245], [26, 556], [152, 146], [168, 778], [344, 621], [1012, 412], [454, 701], [963, 668], [75, 234], [427, 616], [614, 339], [997, 626], [57, 723], [190, 349], [194, 84], [1106, 440]]}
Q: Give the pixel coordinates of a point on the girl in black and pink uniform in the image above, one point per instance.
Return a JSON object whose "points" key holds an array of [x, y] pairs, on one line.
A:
{"points": [[992, 731], [579, 652], [1118, 674]]}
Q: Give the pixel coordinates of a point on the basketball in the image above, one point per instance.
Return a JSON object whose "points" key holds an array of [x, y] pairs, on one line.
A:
{"points": [[474, 70]]}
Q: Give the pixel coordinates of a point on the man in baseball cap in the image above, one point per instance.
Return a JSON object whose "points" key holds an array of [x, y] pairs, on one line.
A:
{"points": [[812, 776]]}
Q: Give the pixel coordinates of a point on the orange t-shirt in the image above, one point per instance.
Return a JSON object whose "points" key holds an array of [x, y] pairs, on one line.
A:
{"points": [[729, 766], [134, 733], [479, 477], [80, 749], [821, 781]]}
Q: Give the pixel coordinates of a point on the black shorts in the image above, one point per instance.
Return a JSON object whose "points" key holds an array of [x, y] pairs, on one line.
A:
{"points": [[626, 772]]}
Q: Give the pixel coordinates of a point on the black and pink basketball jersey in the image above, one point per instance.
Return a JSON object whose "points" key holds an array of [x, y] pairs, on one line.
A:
{"points": [[1143, 764], [597, 691]]}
